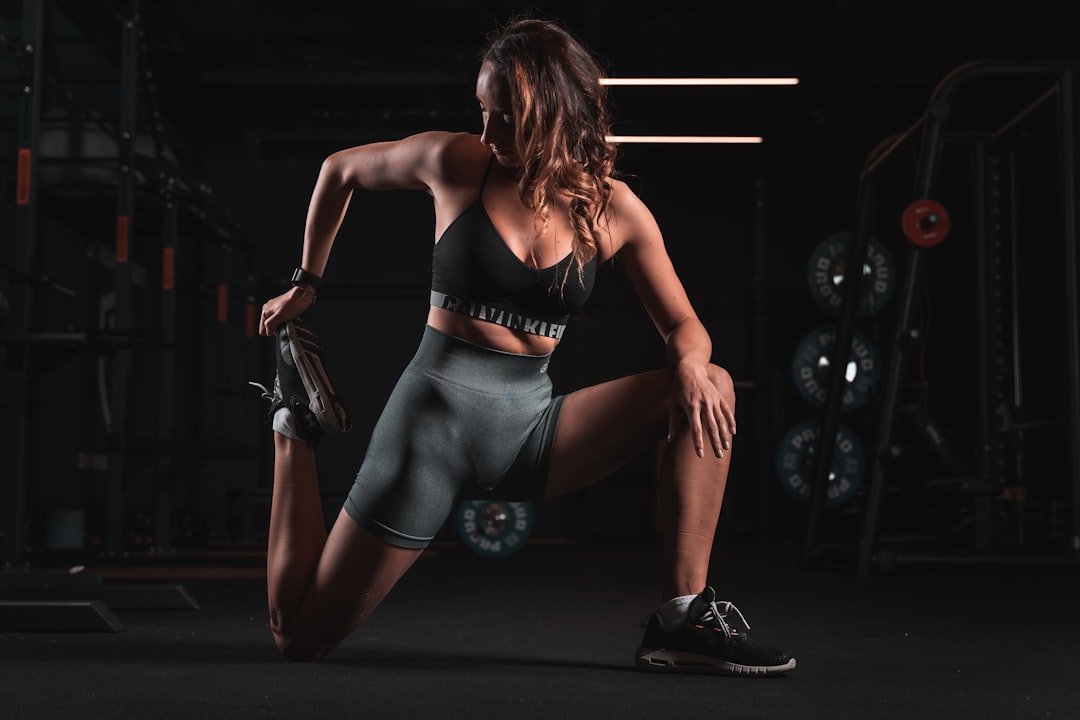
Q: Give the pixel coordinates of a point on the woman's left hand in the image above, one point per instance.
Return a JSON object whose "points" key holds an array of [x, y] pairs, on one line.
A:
{"points": [[695, 397]]}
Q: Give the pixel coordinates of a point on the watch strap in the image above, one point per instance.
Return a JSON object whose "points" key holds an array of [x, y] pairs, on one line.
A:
{"points": [[301, 276]]}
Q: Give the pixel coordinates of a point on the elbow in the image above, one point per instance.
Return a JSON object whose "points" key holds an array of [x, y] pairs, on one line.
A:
{"points": [[687, 325], [332, 170], [341, 170]]}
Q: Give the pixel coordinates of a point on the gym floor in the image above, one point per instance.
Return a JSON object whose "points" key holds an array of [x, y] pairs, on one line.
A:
{"points": [[550, 632]]}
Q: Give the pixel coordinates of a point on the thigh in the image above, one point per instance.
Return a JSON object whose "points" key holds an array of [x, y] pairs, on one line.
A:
{"points": [[603, 426]]}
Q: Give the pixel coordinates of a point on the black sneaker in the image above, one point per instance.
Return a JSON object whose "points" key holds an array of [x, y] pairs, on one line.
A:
{"points": [[712, 639], [302, 385]]}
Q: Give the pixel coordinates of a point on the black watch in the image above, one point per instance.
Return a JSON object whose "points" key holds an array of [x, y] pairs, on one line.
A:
{"points": [[301, 276]]}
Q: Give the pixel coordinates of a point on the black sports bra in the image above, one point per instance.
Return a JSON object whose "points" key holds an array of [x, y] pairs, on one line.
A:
{"points": [[474, 272]]}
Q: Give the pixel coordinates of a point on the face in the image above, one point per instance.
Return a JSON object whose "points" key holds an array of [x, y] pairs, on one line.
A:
{"points": [[493, 94]]}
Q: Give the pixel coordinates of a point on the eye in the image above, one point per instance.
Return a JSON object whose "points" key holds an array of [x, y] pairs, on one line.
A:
{"points": [[508, 118]]}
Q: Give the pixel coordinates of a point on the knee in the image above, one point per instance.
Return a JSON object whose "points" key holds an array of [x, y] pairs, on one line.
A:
{"points": [[298, 648], [300, 641], [721, 378]]}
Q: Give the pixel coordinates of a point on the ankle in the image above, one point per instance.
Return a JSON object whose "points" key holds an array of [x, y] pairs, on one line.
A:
{"points": [[673, 612], [286, 443], [284, 425]]}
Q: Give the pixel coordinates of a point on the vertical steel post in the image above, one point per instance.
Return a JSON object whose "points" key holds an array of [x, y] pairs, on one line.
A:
{"points": [[841, 353], [1072, 312], [982, 310], [24, 252], [125, 226], [167, 366], [903, 334], [763, 386]]}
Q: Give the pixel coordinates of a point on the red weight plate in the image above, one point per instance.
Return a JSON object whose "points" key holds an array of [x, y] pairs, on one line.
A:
{"points": [[925, 222]]}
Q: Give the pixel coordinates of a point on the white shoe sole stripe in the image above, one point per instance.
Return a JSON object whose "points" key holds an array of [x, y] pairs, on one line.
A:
{"points": [[664, 660]]}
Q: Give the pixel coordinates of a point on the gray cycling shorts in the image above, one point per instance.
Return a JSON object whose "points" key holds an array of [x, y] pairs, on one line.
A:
{"points": [[463, 423]]}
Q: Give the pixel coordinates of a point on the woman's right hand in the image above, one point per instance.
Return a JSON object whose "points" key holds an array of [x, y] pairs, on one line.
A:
{"points": [[286, 306]]}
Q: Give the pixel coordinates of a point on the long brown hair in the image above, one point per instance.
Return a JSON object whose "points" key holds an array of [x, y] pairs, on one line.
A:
{"points": [[561, 124]]}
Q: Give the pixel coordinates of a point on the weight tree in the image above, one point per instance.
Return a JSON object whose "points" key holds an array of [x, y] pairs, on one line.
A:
{"points": [[925, 222]]}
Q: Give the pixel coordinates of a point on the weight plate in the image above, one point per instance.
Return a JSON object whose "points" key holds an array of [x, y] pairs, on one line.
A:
{"points": [[811, 368], [494, 528], [925, 222], [797, 452], [827, 269]]}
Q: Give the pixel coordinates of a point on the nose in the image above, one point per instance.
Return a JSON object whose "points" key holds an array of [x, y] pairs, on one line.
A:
{"points": [[497, 132], [488, 137]]}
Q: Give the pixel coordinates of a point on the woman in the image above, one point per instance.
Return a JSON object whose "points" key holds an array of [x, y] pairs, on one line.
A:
{"points": [[523, 214]]}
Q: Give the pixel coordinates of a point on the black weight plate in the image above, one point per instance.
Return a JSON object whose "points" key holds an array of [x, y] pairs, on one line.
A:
{"points": [[811, 368], [826, 271], [795, 456], [494, 528]]}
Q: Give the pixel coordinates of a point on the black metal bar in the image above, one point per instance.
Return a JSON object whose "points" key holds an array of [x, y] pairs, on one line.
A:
{"points": [[1018, 426], [125, 226], [989, 346], [763, 385], [167, 367], [982, 311], [1072, 311], [903, 334], [20, 301], [841, 354], [1019, 117]]}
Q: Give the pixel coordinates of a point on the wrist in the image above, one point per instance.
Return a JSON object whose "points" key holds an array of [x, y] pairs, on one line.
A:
{"points": [[304, 290], [301, 276]]}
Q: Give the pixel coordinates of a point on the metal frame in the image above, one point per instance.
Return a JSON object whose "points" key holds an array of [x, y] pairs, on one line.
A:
{"points": [[118, 339], [933, 125]]}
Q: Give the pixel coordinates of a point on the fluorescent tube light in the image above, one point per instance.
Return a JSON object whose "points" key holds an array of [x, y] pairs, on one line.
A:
{"points": [[699, 81], [687, 139]]}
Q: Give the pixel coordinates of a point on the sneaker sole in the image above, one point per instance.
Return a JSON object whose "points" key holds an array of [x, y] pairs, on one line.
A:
{"points": [[667, 661], [330, 412]]}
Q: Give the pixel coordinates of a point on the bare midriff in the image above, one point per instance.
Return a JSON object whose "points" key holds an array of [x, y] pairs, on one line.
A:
{"points": [[489, 335]]}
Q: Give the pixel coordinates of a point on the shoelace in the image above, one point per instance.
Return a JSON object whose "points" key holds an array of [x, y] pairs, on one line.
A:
{"points": [[721, 617], [266, 394]]}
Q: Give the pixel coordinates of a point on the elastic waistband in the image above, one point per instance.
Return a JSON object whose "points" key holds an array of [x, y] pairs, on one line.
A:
{"points": [[473, 365], [550, 327]]}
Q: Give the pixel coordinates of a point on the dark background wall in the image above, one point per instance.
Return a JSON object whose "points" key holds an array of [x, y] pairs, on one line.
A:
{"points": [[248, 97]]}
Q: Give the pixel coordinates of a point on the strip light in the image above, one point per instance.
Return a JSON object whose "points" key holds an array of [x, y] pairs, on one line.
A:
{"points": [[686, 139], [693, 139], [699, 81]]}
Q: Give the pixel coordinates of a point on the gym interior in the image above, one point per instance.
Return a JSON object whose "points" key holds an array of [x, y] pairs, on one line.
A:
{"points": [[883, 248]]}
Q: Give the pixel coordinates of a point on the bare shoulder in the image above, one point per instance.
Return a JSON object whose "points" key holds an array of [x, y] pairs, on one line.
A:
{"points": [[442, 145], [630, 220], [426, 160], [622, 197], [461, 158], [438, 152]]}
